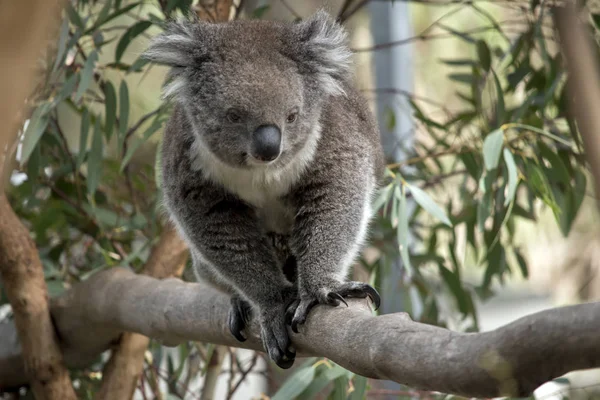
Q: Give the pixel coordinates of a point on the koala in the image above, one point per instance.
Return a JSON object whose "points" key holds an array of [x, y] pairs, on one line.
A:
{"points": [[270, 161]]}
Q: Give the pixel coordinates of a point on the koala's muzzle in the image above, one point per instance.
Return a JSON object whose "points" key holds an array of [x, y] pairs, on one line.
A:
{"points": [[266, 143]]}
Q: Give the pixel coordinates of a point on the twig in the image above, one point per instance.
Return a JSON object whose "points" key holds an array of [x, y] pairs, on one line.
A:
{"points": [[345, 17], [243, 377]]}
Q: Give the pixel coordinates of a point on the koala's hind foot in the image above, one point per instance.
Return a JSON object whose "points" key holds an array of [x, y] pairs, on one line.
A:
{"points": [[239, 316], [298, 311]]}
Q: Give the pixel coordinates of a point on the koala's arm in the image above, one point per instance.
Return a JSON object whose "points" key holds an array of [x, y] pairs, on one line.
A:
{"points": [[225, 232], [331, 222]]}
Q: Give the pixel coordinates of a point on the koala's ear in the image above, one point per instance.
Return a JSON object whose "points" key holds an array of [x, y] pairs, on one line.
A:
{"points": [[324, 49], [174, 47], [182, 44]]}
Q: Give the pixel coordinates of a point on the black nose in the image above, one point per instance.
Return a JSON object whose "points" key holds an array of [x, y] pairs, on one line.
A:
{"points": [[266, 142]]}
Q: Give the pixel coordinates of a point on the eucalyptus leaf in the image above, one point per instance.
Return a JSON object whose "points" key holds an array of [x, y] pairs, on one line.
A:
{"points": [[123, 110], [428, 204], [131, 33], [35, 128], [95, 159], [83, 136], [484, 54], [110, 107], [86, 75], [513, 177], [492, 147], [295, 384]]}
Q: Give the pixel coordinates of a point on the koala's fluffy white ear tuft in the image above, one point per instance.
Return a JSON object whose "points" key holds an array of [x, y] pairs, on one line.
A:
{"points": [[327, 51], [177, 47], [174, 47]]}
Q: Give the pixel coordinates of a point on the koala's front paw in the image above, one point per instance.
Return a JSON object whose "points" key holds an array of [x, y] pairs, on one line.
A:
{"points": [[275, 337], [298, 311]]}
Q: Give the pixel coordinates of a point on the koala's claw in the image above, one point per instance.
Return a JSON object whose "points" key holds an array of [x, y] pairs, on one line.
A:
{"points": [[277, 342], [239, 316], [297, 312]]}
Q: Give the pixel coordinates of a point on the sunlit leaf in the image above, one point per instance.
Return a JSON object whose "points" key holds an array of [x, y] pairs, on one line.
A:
{"points": [[513, 177], [492, 147], [35, 128], [428, 204]]}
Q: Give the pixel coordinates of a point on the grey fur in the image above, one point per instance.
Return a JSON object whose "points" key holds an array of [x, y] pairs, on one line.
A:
{"points": [[315, 197]]}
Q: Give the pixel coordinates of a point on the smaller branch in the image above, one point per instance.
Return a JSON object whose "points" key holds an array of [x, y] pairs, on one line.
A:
{"points": [[243, 376], [239, 9], [343, 18], [343, 9]]}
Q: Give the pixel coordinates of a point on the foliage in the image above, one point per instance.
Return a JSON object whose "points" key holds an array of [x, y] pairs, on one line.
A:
{"points": [[88, 189]]}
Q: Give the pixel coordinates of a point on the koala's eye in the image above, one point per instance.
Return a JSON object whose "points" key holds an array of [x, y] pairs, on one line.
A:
{"points": [[292, 118], [234, 116]]}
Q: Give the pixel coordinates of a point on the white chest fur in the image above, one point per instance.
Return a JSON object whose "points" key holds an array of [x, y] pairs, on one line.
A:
{"points": [[261, 187]]}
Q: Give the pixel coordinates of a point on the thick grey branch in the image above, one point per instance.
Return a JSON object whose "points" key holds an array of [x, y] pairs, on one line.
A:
{"points": [[512, 360]]}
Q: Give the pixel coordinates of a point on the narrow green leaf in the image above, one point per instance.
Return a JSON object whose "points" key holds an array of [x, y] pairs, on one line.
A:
{"points": [[67, 89], [116, 14], [500, 106], [123, 109], [382, 199], [360, 387], [62, 43], [403, 232], [484, 54], [133, 148], [86, 75], [513, 177], [295, 384], [455, 286], [103, 14], [129, 35], [522, 264], [35, 128], [83, 136], [429, 205], [462, 78], [74, 16], [260, 11], [110, 106], [95, 159], [492, 146]]}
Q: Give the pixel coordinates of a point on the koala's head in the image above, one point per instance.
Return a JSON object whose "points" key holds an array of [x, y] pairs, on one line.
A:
{"points": [[254, 89]]}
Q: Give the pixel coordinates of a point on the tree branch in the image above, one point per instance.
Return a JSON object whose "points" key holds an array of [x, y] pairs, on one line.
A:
{"points": [[512, 360], [23, 277]]}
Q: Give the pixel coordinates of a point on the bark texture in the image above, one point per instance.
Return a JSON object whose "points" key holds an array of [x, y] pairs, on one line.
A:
{"points": [[512, 360], [124, 368], [23, 279]]}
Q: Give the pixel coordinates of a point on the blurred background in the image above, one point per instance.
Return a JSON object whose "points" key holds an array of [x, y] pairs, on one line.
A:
{"points": [[488, 213]]}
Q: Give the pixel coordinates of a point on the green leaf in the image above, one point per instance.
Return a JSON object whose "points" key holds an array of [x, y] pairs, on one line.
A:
{"points": [[455, 286], [116, 14], [95, 159], [462, 78], [129, 35], [110, 106], [360, 387], [67, 89], [86, 75], [492, 146], [62, 44], [500, 106], [428, 204], [522, 264], [260, 11], [295, 384], [513, 177], [484, 54], [83, 136], [132, 149], [123, 109], [402, 231], [383, 198], [35, 128], [74, 16], [102, 14]]}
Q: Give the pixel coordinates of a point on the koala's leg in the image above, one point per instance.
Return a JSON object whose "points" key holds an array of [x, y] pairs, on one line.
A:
{"points": [[334, 211], [226, 235], [240, 311]]}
